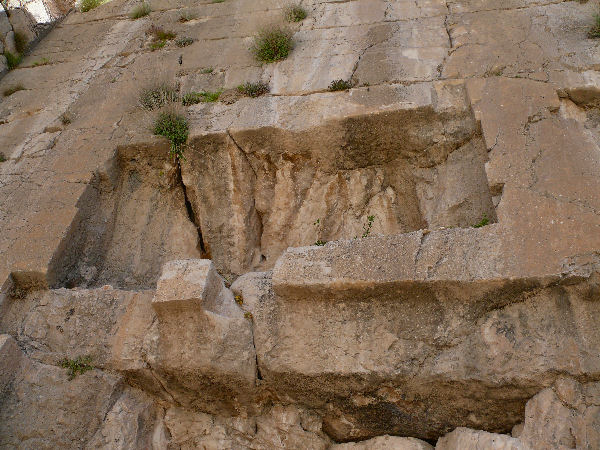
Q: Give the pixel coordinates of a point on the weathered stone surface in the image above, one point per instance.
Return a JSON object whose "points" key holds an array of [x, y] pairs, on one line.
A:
{"points": [[284, 427], [384, 443], [205, 351], [467, 439]]}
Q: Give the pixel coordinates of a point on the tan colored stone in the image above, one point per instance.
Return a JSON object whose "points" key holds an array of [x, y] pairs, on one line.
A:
{"points": [[385, 443], [467, 439]]}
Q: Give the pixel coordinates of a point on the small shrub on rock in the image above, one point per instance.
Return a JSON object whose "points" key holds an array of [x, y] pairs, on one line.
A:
{"points": [[272, 44], [139, 11], [175, 128], [295, 13], [340, 85], [76, 366], [253, 89]]}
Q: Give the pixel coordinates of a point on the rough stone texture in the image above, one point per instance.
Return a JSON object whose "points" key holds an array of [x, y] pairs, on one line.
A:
{"points": [[205, 352], [384, 443], [459, 109], [466, 439]]}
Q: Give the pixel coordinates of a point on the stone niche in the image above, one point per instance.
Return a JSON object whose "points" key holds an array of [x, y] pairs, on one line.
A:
{"points": [[256, 192]]}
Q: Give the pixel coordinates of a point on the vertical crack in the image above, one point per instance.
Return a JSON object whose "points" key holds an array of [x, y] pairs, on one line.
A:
{"points": [[204, 253]]}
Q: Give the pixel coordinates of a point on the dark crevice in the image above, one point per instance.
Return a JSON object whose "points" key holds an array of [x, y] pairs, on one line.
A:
{"points": [[190, 212]]}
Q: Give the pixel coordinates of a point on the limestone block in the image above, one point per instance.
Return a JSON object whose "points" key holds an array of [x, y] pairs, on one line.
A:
{"points": [[205, 348], [467, 439], [385, 443]]}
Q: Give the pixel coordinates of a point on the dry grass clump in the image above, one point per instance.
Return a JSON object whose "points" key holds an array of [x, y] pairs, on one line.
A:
{"points": [[139, 11]]}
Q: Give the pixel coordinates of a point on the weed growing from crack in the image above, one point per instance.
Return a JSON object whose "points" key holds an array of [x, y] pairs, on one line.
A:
{"points": [[41, 62], [175, 128], [317, 224], [367, 226], [76, 366], [253, 89], [157, 96], [483, 222], [2, 158], [340, 85], [65, 119], [239, 300], [207, 70], [11, 90], [193, 98], [139, 11], [295, 13], [12, 60], [272, 44]]}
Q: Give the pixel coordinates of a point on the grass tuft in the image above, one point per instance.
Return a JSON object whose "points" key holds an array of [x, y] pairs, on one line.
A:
{"points": [[340, 85], [253, 89], [193, 98], [41, 62], [12, 60], [483, 222], [139, 11], [207, 70], [2, 158], [158, 96], [175, 128], [295, 13], [272, 44], [76, 366], [11, 90], [88, 5]]}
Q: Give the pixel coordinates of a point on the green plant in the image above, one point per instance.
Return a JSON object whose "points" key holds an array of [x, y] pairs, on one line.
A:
{"points": [[12, 60], [239, 300], [184, 41], [340, 85], [20, 42], [317, 224], [253, 89], [139, 11], [175, 128], [76, 366], [218, 1], [41, 62], [158, 44], [320, 243], [367, 226], [88, 5], [2, 158], [159, 34], [193, 98], [295, 13], [594, 32], [272, 44], [11, 90], [483, 222], [248, 315], [207, 70], [158, 96]]}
